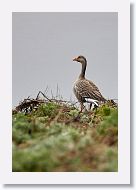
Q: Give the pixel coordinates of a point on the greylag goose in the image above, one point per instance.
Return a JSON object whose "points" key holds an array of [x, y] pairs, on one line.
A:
{"points": [[84, 89]]}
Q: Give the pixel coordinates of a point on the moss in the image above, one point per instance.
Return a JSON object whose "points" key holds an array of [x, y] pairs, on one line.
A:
{"points": [[49, 109], [55, 137]]}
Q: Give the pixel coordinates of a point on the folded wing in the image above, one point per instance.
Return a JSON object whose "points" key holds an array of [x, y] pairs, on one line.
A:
{"points": [[86, 89]]}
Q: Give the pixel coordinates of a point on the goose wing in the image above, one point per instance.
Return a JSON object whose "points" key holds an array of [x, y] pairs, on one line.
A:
{"points": [[87, 89]]}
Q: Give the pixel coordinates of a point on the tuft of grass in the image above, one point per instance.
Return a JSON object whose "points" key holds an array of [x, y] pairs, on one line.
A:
{"points": [[56, 137]]}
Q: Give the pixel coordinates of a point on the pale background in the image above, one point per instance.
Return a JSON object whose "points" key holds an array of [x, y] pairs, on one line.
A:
{"points": [[44, 45]]}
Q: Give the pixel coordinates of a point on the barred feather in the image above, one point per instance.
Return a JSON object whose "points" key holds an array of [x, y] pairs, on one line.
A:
{"points": [[84, 88]]}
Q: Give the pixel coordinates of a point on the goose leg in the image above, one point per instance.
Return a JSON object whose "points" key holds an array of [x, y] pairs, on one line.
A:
{"points": [[82, 107], [95, 106], [90, 106]]}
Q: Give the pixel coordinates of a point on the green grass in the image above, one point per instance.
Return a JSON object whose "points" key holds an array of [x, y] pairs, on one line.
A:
{"points": [[55, 137]]}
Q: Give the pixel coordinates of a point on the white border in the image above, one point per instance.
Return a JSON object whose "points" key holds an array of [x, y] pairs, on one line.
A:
{"points": [[123, 174]]}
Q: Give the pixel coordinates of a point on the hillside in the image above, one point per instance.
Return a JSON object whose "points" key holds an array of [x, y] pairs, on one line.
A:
{"points": [[50, 135]]}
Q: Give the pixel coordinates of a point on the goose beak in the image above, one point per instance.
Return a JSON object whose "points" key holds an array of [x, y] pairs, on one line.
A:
{"points": [[75, 59]]}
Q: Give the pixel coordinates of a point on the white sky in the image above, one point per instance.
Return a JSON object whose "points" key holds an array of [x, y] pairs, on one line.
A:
{"points": [[44, 45]]}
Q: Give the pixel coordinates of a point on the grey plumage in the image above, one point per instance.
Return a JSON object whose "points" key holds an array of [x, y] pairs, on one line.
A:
{"points": [[85, 89]]}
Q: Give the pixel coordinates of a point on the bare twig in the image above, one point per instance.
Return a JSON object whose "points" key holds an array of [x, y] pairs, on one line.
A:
{"points": [[57, 116], [40, 92]]}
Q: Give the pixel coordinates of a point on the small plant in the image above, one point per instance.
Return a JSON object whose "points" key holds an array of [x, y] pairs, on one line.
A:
{"points": [[49, 109], [73, 113]]}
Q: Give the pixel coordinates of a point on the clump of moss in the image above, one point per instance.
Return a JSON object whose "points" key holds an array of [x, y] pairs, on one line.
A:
{"points": [[49, 109]]}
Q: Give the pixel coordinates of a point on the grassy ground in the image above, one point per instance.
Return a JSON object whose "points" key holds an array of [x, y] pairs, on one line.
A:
{"points": [[55, 137]]}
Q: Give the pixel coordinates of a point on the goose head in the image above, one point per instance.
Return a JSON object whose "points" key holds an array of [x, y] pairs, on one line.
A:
{"points": [[80, 59]]}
